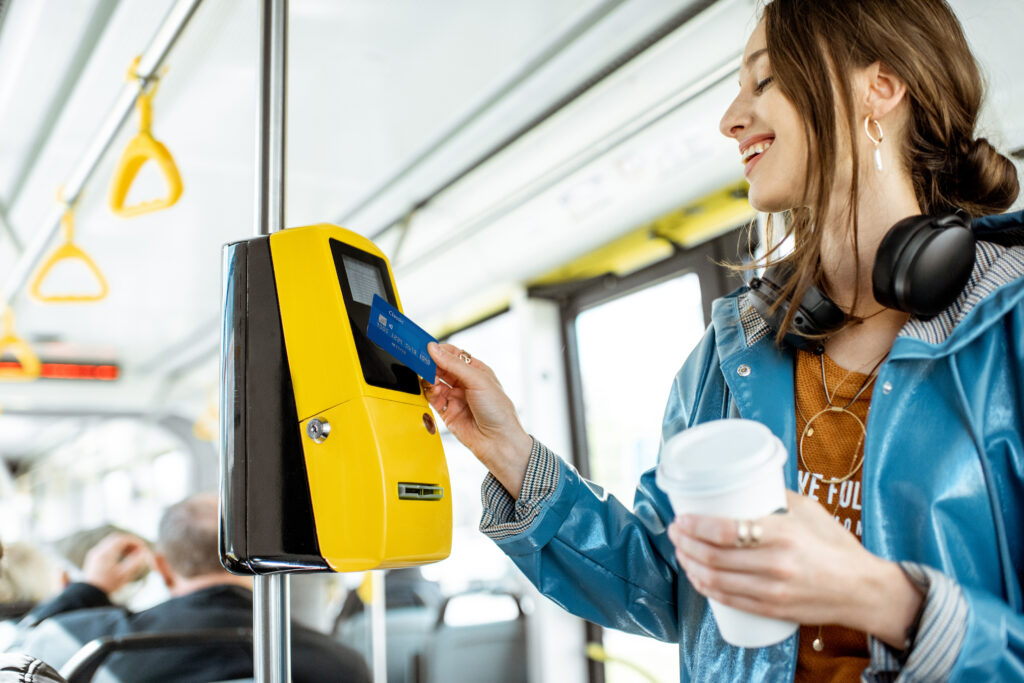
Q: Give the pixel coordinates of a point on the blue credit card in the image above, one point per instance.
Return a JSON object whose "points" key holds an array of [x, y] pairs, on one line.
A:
{"points": [[406, 341]]}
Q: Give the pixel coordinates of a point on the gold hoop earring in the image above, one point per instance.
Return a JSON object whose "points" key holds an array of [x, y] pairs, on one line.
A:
{"points": [[877, 141]]}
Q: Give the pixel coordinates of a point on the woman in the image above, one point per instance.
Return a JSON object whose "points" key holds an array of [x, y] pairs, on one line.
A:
{"points": [[852, 115]]}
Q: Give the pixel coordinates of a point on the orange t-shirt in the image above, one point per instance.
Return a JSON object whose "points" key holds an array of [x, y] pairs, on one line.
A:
{"points": [[831, 448]]}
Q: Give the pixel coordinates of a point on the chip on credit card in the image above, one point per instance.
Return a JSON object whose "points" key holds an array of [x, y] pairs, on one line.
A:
{"points": [[406, 341]]}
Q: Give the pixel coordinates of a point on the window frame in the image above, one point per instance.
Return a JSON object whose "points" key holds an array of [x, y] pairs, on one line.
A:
{"points": [[575, 297]]}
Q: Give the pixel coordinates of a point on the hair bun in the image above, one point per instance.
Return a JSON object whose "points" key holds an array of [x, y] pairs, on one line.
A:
{"points": [[986, 180]]}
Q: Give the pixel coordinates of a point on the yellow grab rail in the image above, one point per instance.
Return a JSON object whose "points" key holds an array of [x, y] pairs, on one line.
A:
{"points": [[30, 367], [142, 148], [67, 252]]}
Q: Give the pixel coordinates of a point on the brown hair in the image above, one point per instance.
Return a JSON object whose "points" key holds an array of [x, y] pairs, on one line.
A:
{"points": [[814, 43], [187, 536]]}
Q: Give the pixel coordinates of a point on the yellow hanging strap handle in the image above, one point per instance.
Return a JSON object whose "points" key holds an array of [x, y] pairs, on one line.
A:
{"points": [[29, 366], [67, 252], [142, 148], [205, 426]]}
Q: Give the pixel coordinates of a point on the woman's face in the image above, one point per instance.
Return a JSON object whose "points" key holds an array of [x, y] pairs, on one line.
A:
{"points": [[769, 132]]}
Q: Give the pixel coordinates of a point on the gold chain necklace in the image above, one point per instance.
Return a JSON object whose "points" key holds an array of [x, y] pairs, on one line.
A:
{"points": [[858, 455], [832, 408]]}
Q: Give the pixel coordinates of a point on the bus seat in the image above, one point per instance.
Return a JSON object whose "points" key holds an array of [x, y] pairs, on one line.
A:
{"points": [[496, 650], [83, 666], [406, 631]]}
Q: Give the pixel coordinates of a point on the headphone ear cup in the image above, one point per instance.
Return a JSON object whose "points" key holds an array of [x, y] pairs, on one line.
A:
{"points": [[923, 264], [883, 274]]}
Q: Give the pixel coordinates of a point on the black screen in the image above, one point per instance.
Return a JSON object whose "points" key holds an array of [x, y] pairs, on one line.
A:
{"points": [[362, 275]]}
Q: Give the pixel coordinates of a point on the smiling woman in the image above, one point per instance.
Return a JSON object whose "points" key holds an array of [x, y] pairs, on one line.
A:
{"points": [[903, 86], [856, 120], [556, 184]]}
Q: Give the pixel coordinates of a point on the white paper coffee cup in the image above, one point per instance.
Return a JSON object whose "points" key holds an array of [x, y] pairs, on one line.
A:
{"points": [[734, 469]]}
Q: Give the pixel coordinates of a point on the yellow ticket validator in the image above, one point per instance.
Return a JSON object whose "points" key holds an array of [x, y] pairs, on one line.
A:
{"points": [[330, 457]]}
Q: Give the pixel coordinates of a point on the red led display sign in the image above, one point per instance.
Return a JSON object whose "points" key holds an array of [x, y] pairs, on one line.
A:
{"points": [[97, 371]]}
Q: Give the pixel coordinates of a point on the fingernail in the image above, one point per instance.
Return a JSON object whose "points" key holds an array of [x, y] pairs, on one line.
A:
{"points": [[685, 522]]}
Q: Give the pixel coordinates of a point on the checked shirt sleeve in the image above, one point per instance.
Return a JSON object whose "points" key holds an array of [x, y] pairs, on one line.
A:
{"points": [[503, 515], [940, 633]]}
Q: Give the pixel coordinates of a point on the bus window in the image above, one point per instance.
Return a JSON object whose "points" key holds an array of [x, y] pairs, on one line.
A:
{"points": [[630, 348], [475, 559]]}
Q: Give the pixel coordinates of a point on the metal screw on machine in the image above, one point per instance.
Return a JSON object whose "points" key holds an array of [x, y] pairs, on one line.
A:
{"points": [[318, 430]]}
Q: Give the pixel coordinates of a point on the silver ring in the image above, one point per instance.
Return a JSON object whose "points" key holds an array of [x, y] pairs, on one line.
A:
{"points": [[465, 357], [756, 532], [743, 535], [444, 407]]}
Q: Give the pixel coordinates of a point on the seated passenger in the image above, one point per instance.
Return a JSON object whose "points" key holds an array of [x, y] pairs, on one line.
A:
{"points": [[18, 668], [203, 596], [28, 576]]}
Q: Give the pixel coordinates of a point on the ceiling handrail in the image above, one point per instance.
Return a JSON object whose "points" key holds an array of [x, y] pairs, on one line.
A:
{"points": [[140, 149], [166, 36], [688, 12]]}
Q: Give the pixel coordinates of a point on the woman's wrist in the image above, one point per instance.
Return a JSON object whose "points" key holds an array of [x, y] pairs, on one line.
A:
{"points": [[890, 604], [509, 463]]}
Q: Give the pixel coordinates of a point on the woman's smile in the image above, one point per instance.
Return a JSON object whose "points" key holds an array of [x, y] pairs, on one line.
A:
{"points": [[752, 149]]}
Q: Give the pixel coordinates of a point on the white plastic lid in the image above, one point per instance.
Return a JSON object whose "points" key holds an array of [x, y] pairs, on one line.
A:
{"points": [[717, 456]]}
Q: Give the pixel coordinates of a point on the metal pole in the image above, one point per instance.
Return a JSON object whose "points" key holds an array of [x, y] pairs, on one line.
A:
{"points": [[5, 226], [681, 17], [499, 94], [271, 604], [514, 199], [270, 124], [378, 627], [271, 629], [159, 47]]}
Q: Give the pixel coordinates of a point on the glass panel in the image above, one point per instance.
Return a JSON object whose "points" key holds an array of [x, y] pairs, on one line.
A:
{"points": [[475, 560], [630, 349]]}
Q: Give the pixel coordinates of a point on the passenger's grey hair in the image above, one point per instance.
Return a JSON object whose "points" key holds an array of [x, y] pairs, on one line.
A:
{"points": [[188, 536]]}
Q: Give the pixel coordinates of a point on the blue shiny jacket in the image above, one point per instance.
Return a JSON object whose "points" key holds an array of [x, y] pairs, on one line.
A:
{"points": [[943, 481]]}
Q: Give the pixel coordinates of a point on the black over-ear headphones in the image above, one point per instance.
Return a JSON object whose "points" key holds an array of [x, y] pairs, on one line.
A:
{"points": [[922, 265]]}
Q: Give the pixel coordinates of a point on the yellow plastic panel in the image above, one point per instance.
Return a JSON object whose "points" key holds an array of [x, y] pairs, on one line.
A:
{"points": [[379, 438], [322, 356], [375, 445]]}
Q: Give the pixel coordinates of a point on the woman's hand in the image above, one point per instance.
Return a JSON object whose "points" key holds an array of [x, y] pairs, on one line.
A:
{"points": [[470, 400], [805, 568]]}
